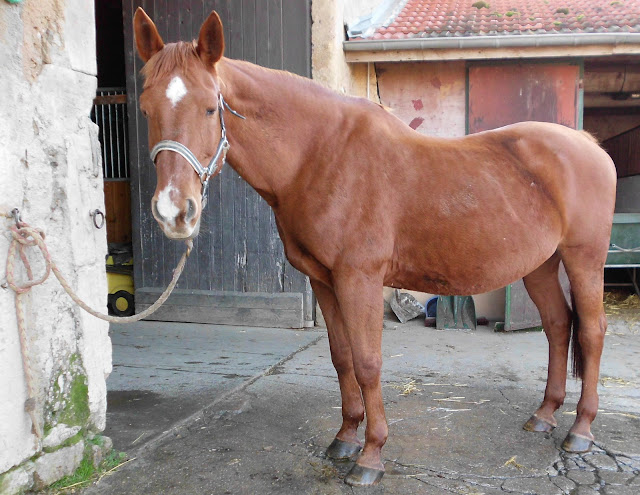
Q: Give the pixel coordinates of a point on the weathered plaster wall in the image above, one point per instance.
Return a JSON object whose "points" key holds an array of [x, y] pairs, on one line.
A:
{"points": [[328, 65], [430, 97], [51, 171]]}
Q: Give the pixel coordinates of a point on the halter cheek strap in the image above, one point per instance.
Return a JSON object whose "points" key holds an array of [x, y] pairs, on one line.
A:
{"points": [[221, 152]]}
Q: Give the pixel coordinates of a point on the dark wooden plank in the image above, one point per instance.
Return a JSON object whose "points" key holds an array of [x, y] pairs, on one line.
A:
{"points": [[275, 34], [117, 204], [236, 50], [153, 253], [227, 308], [273, 266], [624, 150], [230, 316], [296, 43], [221, 299], [132, 117], [235, 29], [246, 274], [256, 51]]}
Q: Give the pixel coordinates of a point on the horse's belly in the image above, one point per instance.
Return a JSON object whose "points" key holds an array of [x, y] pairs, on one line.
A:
{"points": [[464, 269]]}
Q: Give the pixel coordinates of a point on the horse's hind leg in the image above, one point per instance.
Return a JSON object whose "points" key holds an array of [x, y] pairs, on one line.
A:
{"points": [[585, 267], [346, 444], [544, 289]]}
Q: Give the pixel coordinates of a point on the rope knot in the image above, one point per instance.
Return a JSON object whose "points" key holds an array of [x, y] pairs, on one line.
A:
{"points": [[26, 236]]}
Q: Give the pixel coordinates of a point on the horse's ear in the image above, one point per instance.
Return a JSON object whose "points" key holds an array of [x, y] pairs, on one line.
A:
{"points": [[148, 39], [211, 40]]}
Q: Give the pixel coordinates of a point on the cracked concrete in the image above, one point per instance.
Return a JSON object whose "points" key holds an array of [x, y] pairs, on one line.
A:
{"points": [[455, 401]]}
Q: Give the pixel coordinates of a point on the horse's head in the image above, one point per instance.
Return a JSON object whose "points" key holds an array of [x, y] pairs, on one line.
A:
{"points": [[183, 107]]}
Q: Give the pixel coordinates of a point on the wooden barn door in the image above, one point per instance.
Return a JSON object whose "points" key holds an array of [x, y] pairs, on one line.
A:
{"points": [[237, 273], [504, 94]]}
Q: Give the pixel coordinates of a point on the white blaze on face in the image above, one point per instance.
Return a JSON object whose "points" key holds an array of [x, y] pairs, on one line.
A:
{"points": [[176, 91], [166, 206]]}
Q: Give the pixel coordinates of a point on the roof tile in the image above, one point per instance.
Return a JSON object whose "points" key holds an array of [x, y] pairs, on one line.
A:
{"points": [[447, 18]]}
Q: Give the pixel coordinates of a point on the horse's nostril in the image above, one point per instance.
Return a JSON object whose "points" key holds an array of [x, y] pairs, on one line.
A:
{"points": [[154, 208], [191, 209]]}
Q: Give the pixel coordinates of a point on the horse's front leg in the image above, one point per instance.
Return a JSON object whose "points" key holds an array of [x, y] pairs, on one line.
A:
{"points": [[360, 301], [346, 444]]}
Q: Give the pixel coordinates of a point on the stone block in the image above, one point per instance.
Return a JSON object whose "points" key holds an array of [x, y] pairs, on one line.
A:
{"points": [[49, 468], [97, 455], [59, 434], [581, 477], [602, 462], [565, 484], [17, 480], [615, 478]]}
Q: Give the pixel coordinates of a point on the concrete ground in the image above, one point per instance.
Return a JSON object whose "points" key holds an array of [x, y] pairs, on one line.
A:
{"points": [[253, 410]]}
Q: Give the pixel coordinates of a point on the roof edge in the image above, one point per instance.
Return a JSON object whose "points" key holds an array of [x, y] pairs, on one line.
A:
{"points": [[498, 41]]}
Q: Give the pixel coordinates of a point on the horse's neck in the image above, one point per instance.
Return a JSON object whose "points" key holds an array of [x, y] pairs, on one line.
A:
{"points": [[271, 145]]}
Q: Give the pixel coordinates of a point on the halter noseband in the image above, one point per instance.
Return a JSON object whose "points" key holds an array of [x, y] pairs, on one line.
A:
{"points": [[223, 146]]}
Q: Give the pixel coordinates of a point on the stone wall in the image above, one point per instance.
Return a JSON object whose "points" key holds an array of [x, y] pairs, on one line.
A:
{"points": [[51, 171], [328, 64]]}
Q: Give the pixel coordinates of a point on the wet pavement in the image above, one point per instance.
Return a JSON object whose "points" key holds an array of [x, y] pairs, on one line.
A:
{"points": [[455, 400]]}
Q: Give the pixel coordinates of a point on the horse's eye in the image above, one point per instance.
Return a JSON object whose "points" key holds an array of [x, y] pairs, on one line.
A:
{"points": [[144, 114], [210, 111]]}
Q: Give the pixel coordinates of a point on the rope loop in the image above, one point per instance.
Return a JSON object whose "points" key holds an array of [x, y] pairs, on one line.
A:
{"points": [[25, 236]]}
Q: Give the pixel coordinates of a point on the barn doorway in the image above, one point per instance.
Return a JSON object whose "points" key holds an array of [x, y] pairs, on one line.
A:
{"points": [[238, 267], [110, 114], [612, 114]]}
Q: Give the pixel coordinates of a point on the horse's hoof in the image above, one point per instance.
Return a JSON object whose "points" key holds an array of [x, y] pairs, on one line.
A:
{"points": [[363, 476], [576, 443], [538, 425], [340, 450]]}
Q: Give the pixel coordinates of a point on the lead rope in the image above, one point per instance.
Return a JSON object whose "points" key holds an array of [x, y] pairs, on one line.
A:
{"points": [[24, 236]]}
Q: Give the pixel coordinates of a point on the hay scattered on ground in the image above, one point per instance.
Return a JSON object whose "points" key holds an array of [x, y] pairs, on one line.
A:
{"points": [[512, 462], [612, 382], [617, 302]]}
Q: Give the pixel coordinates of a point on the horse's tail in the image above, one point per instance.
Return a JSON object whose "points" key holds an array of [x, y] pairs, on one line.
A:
{"points": [[590, 137], [577, 362]]}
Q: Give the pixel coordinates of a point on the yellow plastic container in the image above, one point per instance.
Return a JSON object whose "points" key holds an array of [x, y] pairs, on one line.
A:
{"points": [[121, 289]]}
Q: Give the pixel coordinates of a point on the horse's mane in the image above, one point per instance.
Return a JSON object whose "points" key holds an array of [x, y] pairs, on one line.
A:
{"points": [[173, 56]]}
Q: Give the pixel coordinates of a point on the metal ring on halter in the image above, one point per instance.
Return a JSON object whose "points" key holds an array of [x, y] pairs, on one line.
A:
{"points": [[221, 152]]}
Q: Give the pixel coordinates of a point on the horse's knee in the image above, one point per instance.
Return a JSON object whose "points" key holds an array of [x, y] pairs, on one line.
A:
{"points": [[368, 371]]}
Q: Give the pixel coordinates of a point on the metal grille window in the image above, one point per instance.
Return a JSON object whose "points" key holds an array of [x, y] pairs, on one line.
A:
{"points": [[110, 113]]}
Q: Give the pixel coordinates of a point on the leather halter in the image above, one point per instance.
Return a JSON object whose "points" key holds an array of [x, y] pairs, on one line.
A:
{"points": [[221, 152]]}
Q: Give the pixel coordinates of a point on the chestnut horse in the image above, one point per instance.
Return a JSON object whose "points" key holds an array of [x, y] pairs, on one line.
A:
{"points": [[345, 179]]}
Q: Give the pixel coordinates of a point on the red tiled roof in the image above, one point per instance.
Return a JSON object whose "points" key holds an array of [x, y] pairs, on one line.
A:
{"points": [[455, 18]]}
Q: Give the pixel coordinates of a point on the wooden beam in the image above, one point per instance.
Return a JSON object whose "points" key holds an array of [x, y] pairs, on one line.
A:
{"points": [[491, 53], [282, 310]]}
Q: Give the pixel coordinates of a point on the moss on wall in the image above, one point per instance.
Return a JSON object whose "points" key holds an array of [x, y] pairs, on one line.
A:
{"points": [[68, 398]]}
